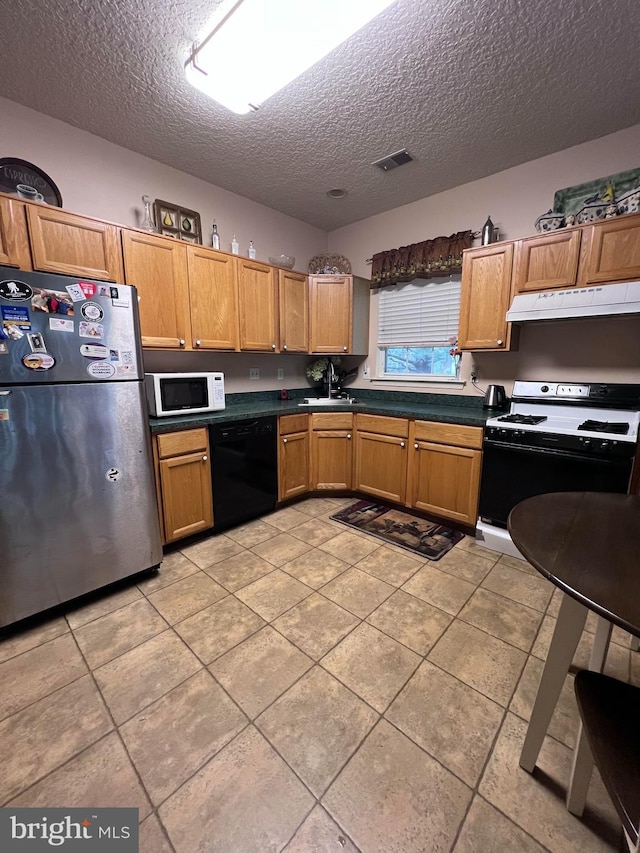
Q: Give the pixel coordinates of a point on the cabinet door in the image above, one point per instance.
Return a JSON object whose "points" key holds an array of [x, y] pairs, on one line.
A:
{"points": [[331, 459], [213, 298], [187, 500], [548, 262], [446, 480], [293, 465], [331, 313], [613, 252], [257, 305], [293, 293], [14, 242], [485, 297], [381, 466], [73, 245], [157, 266]]}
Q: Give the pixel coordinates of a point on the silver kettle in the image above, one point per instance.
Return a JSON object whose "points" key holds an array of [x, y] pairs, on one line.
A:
{"points": [[495, 397]]}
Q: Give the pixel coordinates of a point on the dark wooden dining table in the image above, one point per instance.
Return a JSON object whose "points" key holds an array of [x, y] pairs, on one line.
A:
{"points": [[588, 545]]}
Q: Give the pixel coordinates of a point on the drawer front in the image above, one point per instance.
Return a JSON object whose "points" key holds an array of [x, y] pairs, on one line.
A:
{"points": [[381, 424], [456, 434], [332, 420], [289, 424], [185, 441]]}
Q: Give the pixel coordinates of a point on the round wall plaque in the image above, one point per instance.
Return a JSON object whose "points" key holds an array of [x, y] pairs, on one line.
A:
{"points": [[27, 181]]}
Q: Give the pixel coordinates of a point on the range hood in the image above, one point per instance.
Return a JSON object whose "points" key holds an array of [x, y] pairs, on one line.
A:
{"points": [[606, 300]]}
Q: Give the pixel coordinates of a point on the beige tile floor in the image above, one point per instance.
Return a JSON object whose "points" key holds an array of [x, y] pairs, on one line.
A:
{"points": [[293, 685]]}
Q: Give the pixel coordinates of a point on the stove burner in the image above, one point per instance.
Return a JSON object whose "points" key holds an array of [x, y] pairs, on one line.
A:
{"points": [[603, 426], [523, 419]]}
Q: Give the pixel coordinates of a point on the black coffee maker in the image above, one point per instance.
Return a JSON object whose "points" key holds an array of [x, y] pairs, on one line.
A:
{"points": [[495, 397]]}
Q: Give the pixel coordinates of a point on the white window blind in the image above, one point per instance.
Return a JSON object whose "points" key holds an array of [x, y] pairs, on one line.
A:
{"points": [[419, 312]]}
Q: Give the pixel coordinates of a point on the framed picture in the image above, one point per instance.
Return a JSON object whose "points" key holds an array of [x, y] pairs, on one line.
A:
{"points": [[23, 179], [179, 222]]}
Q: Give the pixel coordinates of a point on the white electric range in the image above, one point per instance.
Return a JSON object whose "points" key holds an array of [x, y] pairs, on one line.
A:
{"points": [[556, 437]]}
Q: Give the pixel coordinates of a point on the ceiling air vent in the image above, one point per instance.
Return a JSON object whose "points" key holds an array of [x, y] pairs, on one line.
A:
{"points": [[392, 160]]}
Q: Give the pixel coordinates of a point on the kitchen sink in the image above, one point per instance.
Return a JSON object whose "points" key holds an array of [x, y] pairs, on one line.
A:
{"points": [[328, 401]]}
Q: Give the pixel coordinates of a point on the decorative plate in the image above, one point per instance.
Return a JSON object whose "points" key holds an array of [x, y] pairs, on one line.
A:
{"points": [[329, 265], [23, 179]]}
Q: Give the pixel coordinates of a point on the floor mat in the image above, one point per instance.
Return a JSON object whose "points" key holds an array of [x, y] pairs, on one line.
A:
{"points": [[426, 538]]}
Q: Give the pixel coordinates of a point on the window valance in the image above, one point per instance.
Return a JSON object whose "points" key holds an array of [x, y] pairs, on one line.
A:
{"points": [[427, 259]]}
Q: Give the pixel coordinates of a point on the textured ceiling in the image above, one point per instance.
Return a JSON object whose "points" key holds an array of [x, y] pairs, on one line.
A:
{"points": [[469, 87]]}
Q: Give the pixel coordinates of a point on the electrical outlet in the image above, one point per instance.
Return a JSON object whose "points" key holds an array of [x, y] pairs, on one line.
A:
{"points": [[281, 373], [254, 373], [473, 372], [365, 371]]}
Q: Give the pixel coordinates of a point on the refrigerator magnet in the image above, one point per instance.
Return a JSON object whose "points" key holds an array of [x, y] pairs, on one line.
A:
{"points": [[38, 361], [91, 330], [59, 324], [36, 342], [92, 311], [16, 315], [13, 289], [94, 351], [101, 370], [88, 288], [104, 290], [118, 299], [75, 292], [4, 349]]}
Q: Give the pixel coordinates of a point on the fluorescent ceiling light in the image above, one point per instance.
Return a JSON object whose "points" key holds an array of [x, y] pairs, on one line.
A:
{"points": [[250, 49]]}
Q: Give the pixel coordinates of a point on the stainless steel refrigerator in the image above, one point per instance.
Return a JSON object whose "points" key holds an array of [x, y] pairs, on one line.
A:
{"points": [[77, 497]]}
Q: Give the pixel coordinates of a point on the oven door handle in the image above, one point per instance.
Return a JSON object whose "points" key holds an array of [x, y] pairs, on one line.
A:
{"points": [[552, 451]]}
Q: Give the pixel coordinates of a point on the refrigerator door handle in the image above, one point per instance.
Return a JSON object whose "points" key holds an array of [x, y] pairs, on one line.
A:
{"points": [[4, 393]]}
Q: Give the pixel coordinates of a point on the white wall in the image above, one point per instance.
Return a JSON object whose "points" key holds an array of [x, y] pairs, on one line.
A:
{"points": [[597, 350], [98, 178]]}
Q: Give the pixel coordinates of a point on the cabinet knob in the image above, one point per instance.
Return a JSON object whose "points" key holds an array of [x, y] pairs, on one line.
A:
{"points": [[198, 342], [284, 440], [182, 342], [349, 435], [417, 446], [273, 346], [402, 444], [499, 343], [285, 347], [204, 458], [344, 349]]}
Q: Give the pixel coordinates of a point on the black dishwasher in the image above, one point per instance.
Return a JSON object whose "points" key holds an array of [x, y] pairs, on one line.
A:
{"points": [[244, 470]]}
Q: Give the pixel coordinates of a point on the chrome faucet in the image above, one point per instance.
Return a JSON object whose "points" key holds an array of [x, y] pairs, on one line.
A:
{"points": [[331, 376]]}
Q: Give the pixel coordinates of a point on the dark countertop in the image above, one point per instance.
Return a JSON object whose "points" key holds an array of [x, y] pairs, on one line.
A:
{"points": [[444, 408]]}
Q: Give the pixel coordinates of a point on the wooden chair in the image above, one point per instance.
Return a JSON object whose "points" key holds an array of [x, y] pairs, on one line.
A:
{"points": [[610, 711]]}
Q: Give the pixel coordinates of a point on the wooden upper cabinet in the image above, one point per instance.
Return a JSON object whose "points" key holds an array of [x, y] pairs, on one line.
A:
{"points": [[213, 298], [293, 295], [257, 305], [548, 262], [14, 241], [157, 266], [485, 298], [64, 243], [331, 313], [612, 251]]}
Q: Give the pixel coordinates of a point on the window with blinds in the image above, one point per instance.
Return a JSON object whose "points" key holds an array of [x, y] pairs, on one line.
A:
{"points": [[416, 323]]}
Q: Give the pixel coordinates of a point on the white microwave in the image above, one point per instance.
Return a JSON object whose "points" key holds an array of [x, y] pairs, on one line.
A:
{"points": [[184, 393]]}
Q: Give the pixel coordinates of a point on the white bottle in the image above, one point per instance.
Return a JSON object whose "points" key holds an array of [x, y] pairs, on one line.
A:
{"points": [[235, 246], [252, 249], [215, 237]]}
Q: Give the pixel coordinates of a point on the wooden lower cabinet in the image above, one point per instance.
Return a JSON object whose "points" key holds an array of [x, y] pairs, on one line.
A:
{"points": [[293, 456], [444, 471], [184, 476], [381, 457], [332, 451]]}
